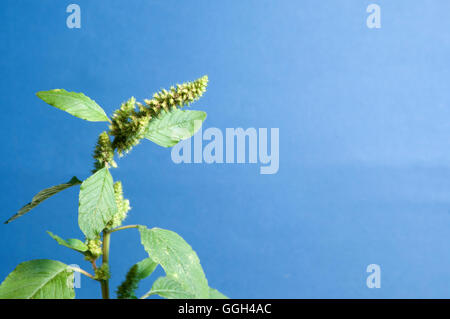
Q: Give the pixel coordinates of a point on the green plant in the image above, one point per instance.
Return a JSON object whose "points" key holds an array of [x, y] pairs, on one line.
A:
{"points": [[102, 207]]}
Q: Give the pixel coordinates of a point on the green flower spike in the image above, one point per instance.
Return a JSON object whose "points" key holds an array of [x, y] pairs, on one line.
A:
{"points": [[129, 125], [103, 153]]}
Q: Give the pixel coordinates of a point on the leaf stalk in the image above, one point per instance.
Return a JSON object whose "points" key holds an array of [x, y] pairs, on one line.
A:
{"points": [[81, 271], [123, 227]]}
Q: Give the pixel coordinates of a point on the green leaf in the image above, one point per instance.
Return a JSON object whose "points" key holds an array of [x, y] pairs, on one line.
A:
{"points": [[145, 268], [43, 195], [171, 289], [76, 104], [39, 279], [172, 127], [97, 205], [168, 288], [215, 294], [71, 243], [177, 258]]}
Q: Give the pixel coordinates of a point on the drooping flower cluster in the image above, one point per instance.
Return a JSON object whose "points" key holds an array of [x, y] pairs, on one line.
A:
{"points": [[129, 125]]}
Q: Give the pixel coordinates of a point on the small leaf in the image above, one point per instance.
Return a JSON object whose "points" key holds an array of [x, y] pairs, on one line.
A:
{"points": [[169, 289], [177, 258], [174, 126], [76, 104], [43, 195], [215, 294], [39, 279], [71, 243], [97, 205], [145, 268]]}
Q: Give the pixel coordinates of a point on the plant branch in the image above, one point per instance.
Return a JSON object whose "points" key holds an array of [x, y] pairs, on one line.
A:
{"points": [[81, 271], [123, 227], [105, 261]]}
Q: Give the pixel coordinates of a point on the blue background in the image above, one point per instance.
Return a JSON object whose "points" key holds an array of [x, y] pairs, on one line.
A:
{"points": [[364, 118]]}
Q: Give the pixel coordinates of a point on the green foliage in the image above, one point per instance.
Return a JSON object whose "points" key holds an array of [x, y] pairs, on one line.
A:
{"points": [[39, 279], [71, 243], [97, 203], [43, 195], [145, 268], [103, 208], [170, 289], [77, 104], [177, 258], [174, 126]]}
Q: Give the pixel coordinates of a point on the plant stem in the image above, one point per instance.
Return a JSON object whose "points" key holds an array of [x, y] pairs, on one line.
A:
{"points": [[123, 227], [81, 271], [105, 261]]}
